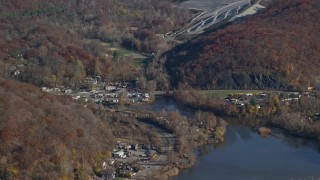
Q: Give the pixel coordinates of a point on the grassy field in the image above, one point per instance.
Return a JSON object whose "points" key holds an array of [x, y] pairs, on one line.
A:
{"points": [[221, 94], [138, 61]]}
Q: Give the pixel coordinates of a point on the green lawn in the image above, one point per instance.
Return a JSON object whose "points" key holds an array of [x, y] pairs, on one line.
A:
{"points": [[221, 94], [138, 61]]}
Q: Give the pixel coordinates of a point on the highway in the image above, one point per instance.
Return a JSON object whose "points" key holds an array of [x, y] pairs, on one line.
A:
{"points": [[207, 18]]}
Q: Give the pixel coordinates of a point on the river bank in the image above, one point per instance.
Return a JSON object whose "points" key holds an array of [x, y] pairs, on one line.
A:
{"points": [[190, 132], [279, 137], [292, 111], [174, 168]]}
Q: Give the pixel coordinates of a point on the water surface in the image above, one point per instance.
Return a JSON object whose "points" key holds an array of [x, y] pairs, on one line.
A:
{"points": [[246, 155], [163, 104]]}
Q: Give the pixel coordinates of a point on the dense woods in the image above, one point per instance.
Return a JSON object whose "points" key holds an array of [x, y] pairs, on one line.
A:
{"points": [[278, 48], [51, 42]]}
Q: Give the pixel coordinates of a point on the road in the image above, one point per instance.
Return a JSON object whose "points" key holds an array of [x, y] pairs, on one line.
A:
{"points": [[167, 144], [211, 17]]}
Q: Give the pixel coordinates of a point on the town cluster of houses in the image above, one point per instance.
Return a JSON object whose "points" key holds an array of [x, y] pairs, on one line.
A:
{"points": [[124, 169], [143, 151], [242, 99], [113, 97], [62, 89], [106, 93], [127, 158], [261, 98]]}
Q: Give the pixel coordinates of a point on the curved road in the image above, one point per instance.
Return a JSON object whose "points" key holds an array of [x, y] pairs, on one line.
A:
{"points": [[206, 19]]}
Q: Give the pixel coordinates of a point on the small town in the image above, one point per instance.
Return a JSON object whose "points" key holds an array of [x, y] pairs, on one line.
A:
{"points": [[108, 94], [259, 100], [128, 160], [116, 94]]}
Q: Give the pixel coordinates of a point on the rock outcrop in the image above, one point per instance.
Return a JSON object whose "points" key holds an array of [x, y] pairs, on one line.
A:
{"points": [[263, 131]]}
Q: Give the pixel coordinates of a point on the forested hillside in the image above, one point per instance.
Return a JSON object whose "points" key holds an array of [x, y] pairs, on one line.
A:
{"points": [[57, 42], [279, 48], [51, 42], [43, 136]]}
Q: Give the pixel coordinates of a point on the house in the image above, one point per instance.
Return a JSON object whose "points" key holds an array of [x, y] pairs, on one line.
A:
{"points": [[240, 104], [108, 101], [127, 153], [122, 145], [84, 98], [104, 165], [310, 88], [91, 80], [262, 96], [233, 101], [100, 95], [110, 88], [201, 125], [76, 97], [98, 78], [112, 95], [134, 146], [119, 154], [130, 95], [112, 161], [44, 89], [114, 101], [16, 72], [69, 91], [145, 99]]}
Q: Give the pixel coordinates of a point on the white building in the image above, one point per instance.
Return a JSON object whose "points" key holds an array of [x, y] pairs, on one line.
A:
{"points": [[111, 88], [119, 154]]}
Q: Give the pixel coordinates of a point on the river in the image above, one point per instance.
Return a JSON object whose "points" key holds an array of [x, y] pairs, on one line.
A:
{"points": [[246, 155]]}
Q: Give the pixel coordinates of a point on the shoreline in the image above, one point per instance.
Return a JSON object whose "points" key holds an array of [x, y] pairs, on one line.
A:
{"points": [[254, 122], [276, 131], [170, 171]]}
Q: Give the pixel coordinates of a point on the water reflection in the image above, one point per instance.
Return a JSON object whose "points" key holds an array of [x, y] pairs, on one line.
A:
{"points": [[295, 142], [166, 104]]}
